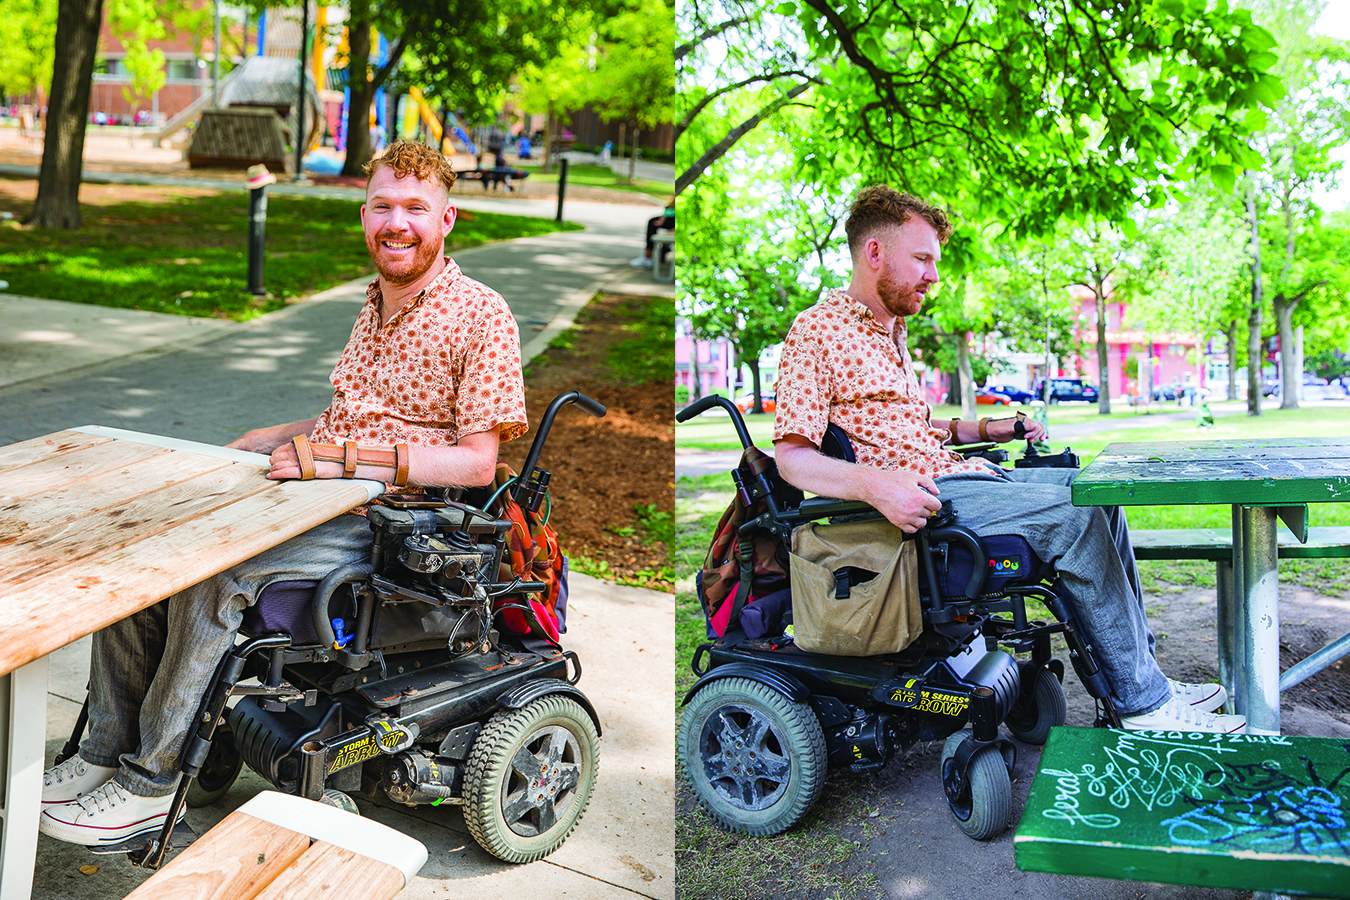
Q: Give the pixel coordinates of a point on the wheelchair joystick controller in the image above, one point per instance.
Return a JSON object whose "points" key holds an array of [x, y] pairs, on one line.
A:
{"points": [[1031, 459]]}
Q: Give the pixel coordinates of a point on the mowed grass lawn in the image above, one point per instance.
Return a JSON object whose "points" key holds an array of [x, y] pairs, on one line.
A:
{"points": [[602, 176], [186, 251]]}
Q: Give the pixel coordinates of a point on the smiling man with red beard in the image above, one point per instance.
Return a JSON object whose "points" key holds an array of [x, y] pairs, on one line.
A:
{"points": [[845, 363], [426, 388]]}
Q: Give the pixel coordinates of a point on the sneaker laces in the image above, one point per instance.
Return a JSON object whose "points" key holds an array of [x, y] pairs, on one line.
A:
{"points": [[73, 768], [110, 793]]}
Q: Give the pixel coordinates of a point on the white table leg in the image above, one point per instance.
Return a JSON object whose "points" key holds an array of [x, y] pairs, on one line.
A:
{"points": [[23, 732], [1260, 679]]}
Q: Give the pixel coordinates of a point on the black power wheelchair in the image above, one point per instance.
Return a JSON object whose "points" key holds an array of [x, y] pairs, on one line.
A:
{"points": [[766, 719], [390, 677]]}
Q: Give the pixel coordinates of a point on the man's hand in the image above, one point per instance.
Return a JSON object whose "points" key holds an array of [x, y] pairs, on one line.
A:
{"points": [[1005, 430], [266, 440], [906, 499]]}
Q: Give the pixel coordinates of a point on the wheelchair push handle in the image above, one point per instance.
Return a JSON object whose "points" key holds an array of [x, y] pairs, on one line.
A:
{"points": [[703, 404], [525, 486]]}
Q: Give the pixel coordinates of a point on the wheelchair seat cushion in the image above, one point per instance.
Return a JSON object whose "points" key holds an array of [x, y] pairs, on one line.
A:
{"points": [[283, 606]]}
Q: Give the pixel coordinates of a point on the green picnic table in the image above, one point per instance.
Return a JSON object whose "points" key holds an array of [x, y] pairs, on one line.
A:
{"points": [[1264, 480]]}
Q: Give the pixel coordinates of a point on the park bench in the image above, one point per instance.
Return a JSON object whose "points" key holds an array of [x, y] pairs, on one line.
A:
{"points": [[495, 175], [1252, 812], [1216, 545], [663, 256], [279, 846]]}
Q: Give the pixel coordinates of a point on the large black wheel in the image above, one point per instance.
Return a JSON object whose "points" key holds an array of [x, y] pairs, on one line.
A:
{"points": [[989, 807], [1047, 708], [756, 759], [219, 771], [529, 778]]}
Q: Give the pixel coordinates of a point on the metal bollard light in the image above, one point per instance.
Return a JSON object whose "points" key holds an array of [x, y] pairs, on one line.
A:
{"points": [[562, 186], [258, 180]]}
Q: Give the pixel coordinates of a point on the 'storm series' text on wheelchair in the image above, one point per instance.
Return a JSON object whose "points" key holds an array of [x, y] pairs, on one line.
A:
{"points": [[766, 719]]}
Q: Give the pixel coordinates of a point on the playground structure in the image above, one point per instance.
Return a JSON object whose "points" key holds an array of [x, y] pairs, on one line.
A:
{"points": [[418, 107]]}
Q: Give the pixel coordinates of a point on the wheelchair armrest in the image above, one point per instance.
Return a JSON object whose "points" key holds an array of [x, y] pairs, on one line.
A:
{"points": [[829, 507], [990, 451]]}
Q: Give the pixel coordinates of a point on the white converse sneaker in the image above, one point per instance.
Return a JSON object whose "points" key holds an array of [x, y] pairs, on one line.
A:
{"points": [[72, 779], [1205, 697], [1178, 715], [108, 814], [641, 262]]}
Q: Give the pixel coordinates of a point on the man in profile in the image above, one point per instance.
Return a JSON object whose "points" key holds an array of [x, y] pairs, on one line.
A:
{"points": [[845, 362]]}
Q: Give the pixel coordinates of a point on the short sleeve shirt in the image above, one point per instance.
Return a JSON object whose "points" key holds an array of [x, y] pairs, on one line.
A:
{"points": [[446, 365], [839, 365]]}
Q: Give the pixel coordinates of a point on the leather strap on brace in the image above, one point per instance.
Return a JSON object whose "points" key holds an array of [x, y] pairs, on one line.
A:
{"points": [[984, 429], [351, 455], [951, 426]]}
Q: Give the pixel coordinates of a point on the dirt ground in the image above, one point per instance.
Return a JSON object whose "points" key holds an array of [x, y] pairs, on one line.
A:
{"points": [[603, 468]]}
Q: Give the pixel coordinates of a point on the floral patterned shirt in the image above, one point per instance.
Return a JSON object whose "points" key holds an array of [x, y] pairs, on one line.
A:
{"points": [[840, 365], [447, 364]]}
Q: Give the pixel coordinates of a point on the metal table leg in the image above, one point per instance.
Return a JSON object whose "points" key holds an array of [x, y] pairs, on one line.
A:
{"points": [[23, 732], [1231, 614], [1260, 674]]}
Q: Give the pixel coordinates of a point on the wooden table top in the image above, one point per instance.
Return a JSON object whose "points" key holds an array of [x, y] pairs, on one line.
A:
{"points": [[96, 524], [1271, 472]]}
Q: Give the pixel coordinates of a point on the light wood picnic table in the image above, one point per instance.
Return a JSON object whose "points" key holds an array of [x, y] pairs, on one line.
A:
{"points": [[97, 524], [1263, 480]]}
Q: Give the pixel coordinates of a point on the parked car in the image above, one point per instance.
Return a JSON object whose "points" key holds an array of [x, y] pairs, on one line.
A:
{"points": [[1066, 390], [1016, 395], [1166, 392], [746, 401], [988, 396]]}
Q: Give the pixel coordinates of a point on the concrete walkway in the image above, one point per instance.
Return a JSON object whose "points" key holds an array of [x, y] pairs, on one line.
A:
{"points": [[65, 364]]}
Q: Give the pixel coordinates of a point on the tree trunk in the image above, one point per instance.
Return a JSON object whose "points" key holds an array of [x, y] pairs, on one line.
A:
{"points": [[58, 196], [546, 165], [695, 389], [1103, 361], [1231, 332], [757, 406], [361, 91], [1290, 372], [1254, 354], [966, 374], [632, 157]]}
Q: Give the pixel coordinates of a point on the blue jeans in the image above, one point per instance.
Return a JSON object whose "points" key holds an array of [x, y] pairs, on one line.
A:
{"points": [[1090, 548], [150, 671]]}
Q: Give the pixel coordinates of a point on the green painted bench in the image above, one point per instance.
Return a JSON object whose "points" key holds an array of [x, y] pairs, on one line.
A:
{"points": [[1216, 544], [1251, 812]]}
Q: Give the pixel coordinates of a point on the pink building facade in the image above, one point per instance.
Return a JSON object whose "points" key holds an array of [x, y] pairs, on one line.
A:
{"points": [[1163, 357], [717, 363]]}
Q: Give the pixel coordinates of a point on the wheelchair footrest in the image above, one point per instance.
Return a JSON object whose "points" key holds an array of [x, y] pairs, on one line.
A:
{"points": [[1249, 812], [182, 836]]}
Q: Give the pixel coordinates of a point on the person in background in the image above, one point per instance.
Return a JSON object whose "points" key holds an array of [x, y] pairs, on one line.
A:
{"points": [[656, 223]]}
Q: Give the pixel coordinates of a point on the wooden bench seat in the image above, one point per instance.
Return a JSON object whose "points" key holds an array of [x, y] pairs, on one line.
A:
{"points": [[1251, 812], [278, 846]]}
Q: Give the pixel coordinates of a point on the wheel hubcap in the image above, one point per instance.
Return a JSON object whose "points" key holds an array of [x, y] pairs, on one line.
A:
{"points": [[743, 758], [542, 783]]}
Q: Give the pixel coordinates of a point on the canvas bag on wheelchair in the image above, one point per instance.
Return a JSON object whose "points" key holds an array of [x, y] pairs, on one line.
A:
{"points": [[855, 588]]}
